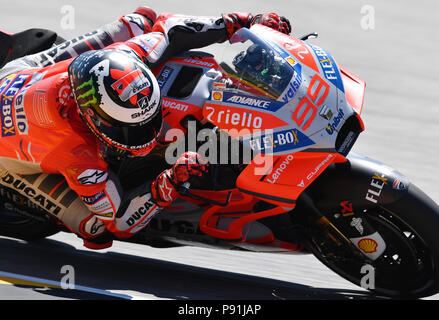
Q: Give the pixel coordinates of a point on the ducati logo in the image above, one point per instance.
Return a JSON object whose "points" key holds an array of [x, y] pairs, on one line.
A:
{"points": [[132, 84]]}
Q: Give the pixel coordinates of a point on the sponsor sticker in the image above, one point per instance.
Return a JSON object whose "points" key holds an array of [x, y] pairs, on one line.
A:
{"points": [[6, 81], [8, 125], [368, 245], [217, 95], [280, 141], [293, 86], [329, 67], [176, 105], [346, 208], [131, 84], [372, 245], [252, 101], [279, 170], [199, 62], [164, 76], [377, 184], [331, 127], [239, 119], [89, 200], [357, 223], [146, 43], [92, 176], [322, 165]]}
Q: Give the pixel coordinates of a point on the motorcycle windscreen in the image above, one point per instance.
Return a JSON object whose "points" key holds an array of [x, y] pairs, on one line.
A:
{"points": [[281, 179], [254, 66]]}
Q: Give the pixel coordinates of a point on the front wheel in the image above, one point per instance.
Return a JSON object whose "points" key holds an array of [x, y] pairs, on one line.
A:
{"points": [[409, 266]]}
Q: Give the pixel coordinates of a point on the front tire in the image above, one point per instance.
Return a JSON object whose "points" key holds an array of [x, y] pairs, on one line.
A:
{"points": [[409, 267]]}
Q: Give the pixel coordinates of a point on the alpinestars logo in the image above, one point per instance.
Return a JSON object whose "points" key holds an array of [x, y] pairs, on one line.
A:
{"points": [[165, 191], [92, 176]]}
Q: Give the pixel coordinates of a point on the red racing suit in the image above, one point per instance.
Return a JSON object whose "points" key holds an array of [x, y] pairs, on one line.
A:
{"points": [[41, 131]]}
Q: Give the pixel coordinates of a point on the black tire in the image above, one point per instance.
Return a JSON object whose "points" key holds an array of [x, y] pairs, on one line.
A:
{"points": [[21, 227], [30, 225], [409, 267], [19, 219]]}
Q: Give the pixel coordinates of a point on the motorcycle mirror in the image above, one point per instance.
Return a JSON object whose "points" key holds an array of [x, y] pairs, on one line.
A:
{"points": [[309, 35]]}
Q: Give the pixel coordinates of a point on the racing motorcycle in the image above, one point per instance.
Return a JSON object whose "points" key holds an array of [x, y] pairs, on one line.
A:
{"points": [[287, 104]]}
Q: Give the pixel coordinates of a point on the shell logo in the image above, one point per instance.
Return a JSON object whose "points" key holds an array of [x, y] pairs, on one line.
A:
{"points": [[368, 245], [217, 95]]}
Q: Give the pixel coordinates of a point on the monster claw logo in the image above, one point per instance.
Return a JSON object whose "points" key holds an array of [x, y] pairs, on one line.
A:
{"points": [[90, 94]]}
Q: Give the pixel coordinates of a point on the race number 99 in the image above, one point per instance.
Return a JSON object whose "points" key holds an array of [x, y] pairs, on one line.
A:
{"points": [[309, 105]]}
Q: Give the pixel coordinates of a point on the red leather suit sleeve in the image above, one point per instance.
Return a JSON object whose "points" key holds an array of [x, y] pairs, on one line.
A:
{"points": [[172, 34]]}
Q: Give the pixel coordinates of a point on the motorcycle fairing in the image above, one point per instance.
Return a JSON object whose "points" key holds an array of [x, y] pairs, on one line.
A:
{"points": [[286, 178], [312, 56], [349, 83], [355, 89], [362, 181], [287, 44], [313, 103], [277, 175], [234, 232], [278, 141], [185, 82], [239, 120], [311, 87], [174, 113]]}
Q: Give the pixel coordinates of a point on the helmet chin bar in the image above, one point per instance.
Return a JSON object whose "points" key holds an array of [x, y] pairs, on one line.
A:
{"points": [[110, 153]]}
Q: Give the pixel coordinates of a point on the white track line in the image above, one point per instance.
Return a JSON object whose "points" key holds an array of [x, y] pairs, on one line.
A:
{"points": [[41, 281]]}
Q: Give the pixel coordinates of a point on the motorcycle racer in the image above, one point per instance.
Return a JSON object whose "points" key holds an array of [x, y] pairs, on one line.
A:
{"points": [[69, 111]]}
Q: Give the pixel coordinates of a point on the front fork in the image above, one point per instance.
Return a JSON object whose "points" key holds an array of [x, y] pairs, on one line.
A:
{"points": [[346, 229]]}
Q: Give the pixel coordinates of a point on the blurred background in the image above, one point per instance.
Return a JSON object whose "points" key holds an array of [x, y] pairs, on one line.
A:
{"points": [[393, 45]]}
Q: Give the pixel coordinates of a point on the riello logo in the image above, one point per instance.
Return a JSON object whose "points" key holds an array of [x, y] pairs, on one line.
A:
{"points": [[227, 117]]}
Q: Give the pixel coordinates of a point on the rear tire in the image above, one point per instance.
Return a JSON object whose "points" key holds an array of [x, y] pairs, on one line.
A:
{"points": [[19, 219], [25, 228], [28, 225]]}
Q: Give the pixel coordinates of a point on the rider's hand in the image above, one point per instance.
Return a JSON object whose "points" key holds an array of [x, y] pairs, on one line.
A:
{"points": [[150, 16], [273, 21], [237, 20], [189, 168]]}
